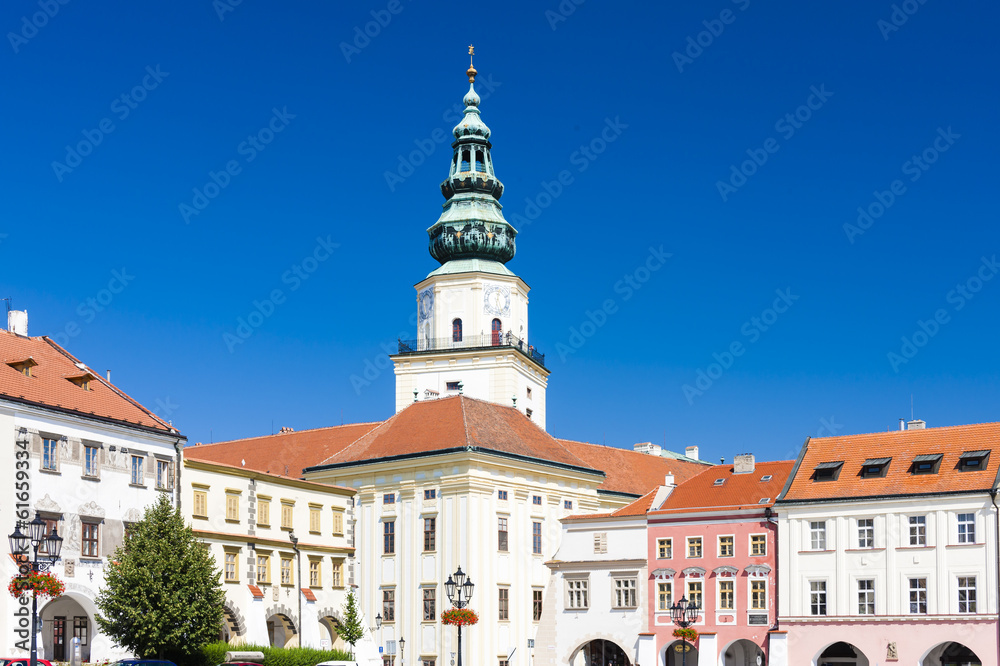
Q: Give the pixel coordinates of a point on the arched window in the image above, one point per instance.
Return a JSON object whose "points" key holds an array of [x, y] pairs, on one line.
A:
{"points": [[456, 330], [496, 332]]}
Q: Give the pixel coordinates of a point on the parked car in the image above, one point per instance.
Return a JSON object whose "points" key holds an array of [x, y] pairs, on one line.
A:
{"points": [[143, 662], [20, 661], [337, 663]]}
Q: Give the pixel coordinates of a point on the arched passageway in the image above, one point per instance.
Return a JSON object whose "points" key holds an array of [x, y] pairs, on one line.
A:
{"points": [[842, 654], [951, 654], [680, 653], [600, 652], [329, 630], [281, 631], [63, 619], [742, 653]]}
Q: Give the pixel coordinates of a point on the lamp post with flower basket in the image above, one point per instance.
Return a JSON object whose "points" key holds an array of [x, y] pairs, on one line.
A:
{"points": [[33, 574], [459, 588], [684, 614]]}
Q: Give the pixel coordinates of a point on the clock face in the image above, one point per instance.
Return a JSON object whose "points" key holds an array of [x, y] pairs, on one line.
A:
{"points": [[425, 304], [496, 300]]}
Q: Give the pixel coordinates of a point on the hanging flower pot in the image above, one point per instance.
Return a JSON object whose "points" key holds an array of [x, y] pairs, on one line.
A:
{"points": [[461, 617], [43, 583], [686, 634]]}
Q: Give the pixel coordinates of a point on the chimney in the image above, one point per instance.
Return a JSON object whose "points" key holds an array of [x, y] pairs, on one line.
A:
{"points": [[668, 480], [902, 424], [663, 492], [286, 429], [647, 447], [916, 424], [691, 452], [743, 464], [17, 322]]}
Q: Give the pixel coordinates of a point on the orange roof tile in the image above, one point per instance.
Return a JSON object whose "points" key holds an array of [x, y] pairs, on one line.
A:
{"points": [[285, 454], [630, 472], [49, 384], [635, 509], [256, 592], [456, 422], [308, 594], [736, 492], [901, 446]]}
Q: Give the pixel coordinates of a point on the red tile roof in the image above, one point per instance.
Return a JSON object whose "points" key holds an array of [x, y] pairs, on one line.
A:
{"points": [[256, 592], [736, 492], [308, 594], [285, 454], [901, 446], [631, 472], [49, 384]]}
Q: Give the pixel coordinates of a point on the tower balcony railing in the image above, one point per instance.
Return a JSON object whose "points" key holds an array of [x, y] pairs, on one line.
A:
{"points": [[489, 341]]}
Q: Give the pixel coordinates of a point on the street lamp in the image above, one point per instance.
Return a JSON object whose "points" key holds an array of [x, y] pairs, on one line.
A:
{"points": [[684, 614], [402, 657], [298, 573], [459, 588], [378, 625], [19, 544]]}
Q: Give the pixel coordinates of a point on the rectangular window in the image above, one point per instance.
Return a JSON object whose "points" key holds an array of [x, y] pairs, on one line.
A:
{"points": [[568, 504], [758, 545], [503, 603], [625, 593], [664, 596], [286, 516], [90, 460], [967, 528], [817, 535], [50, 526], [164, 480], [536, 605], [966, 594], [231, 567], [430, 534], [232, 507], [388, 605], [338, 574], [389, 537], [286, 571], [430, 494], [81, 628], [866, 533], [50, 454], [664, 548], [536, 500], [430, 604], [758, 595], [502, 495], [536, 538], [427, 662], [694, 546], [389, 498], [726, 546], [263, 568], [201, 504], [137, 473], [918, 595], [314, 518], [918, 530], [502, 535], [91, 535], [695, 593], [263, 513], [338, 522], [866, 597], [314, 573], [817, 597], [577, 597], [600, 543], [727, 595]]}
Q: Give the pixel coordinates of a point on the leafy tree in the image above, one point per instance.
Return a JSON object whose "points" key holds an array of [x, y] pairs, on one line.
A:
{"points": [[162, 595], [351, 629]]}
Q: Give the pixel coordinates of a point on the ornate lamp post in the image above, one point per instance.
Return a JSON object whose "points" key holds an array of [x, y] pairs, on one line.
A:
{"points": [[459, 588], [378, 625], [19, 544], [684, 614], [402, 657]]}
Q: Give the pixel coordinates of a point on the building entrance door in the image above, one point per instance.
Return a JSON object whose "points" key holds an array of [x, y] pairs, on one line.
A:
{"points": [[59, 638]]}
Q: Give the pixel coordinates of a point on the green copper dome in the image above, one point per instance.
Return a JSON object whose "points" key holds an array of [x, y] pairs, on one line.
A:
{"points": [[472, 225]]}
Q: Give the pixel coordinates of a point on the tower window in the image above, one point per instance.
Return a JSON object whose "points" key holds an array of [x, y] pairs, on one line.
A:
{"points": [[456, 330], [465, 160], [479, 161], [497, 334]]}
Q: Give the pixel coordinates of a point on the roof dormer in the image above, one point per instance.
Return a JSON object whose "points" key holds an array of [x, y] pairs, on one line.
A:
{"points": [[83, 380], [24, 367]]}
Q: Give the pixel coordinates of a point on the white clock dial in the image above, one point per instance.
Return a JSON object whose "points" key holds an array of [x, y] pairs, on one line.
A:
{"points": [[496, 300], [425, 304]]}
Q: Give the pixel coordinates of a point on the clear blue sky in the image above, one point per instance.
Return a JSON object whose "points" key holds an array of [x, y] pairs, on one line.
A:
{"points": [[682, 116]]}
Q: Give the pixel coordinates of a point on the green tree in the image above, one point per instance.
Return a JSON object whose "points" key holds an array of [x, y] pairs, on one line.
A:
{"points": [[351, 629], [162, 595]]}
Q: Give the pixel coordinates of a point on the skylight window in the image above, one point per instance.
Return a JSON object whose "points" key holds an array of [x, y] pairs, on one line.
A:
{"points": [[765, 478], [827, 471], [764, 500], [927, 463], [719, 482], [973, 461]]}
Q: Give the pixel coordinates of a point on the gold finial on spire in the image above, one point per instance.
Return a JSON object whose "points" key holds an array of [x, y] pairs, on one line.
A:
{"points": [[472, 70]]}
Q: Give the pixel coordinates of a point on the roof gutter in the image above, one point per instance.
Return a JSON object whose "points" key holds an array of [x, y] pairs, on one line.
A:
{"points": [[94, 417], [866, 498]]}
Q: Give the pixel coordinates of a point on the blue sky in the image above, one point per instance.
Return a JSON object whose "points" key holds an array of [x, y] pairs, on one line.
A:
{"points": [[738, 137]]}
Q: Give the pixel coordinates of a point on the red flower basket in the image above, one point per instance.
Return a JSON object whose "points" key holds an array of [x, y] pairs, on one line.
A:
{"points": [[686, 634], [43, 583], [461, 617]]}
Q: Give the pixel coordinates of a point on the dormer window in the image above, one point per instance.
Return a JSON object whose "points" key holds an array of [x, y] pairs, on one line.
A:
{"points": [[24, 367], [973, 461], [83, 381], [875, 468], [827, 471], [926, 464]]}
